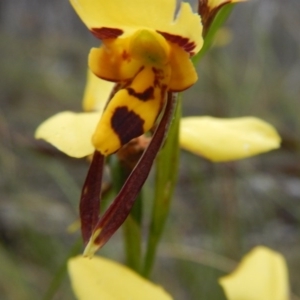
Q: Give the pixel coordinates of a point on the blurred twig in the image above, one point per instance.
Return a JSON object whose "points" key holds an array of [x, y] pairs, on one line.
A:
{"points": [[199, 256]]}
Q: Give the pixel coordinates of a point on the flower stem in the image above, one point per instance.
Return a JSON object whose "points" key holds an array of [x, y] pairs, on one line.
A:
{"points": [[133, 236], [166, 177]]}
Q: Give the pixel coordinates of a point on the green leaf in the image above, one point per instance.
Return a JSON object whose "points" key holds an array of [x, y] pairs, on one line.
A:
{"points": [[133, 236]]}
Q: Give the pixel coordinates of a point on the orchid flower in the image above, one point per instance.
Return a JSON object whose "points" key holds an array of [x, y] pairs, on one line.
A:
{"points": [[146, 50], [144, 58], [261, 275], [101, 278]]}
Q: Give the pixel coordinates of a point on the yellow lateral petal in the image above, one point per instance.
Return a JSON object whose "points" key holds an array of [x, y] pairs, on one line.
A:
{"points": [[100, 278], [262, 275], [131, 15], [70, 132], [227, 139], [183, 71], [97, 93]]}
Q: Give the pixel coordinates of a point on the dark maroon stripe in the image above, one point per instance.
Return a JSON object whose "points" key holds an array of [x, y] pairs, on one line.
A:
{"points": [[106, 33], [147, 94], [183, 42], [89, 205]]}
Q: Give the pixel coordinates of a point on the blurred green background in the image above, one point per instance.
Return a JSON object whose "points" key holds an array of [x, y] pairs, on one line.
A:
{"points": [[220, 211]]}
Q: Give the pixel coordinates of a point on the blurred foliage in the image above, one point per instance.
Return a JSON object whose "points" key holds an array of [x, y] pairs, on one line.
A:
{"points": [[222, 208]]}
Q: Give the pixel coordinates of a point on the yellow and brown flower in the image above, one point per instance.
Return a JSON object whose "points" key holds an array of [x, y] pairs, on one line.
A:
{"points": [[146, 50], [144, 58]]}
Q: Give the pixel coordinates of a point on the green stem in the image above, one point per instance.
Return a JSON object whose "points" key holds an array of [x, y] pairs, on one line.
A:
{"points": [[133, 236], [165, 180]]}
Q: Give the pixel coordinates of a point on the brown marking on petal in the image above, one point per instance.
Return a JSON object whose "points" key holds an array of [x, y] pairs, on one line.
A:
{"points": [[163, 92], [190, 47], [126, 124], [146, 95], [106, 33], [159, 75], [183, 42], [126, 56]]}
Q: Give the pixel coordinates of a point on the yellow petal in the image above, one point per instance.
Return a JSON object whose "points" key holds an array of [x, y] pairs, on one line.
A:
{"points": [[97, 93], [131, 15], [70, 132], [262, 275], [110, 61], [227, 139], [100, 278], [183, 71], [132, 111]]}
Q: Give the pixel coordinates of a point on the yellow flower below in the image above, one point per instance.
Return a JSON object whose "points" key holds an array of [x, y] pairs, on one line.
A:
{"points": [[262, 275], [100, 278]]}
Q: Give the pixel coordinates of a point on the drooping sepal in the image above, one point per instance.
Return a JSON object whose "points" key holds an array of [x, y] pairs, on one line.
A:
{"points": [[120, 208], [90, 197]]}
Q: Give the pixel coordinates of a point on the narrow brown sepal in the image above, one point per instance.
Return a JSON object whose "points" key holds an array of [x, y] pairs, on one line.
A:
{"points": [[120, 208], [90, 197]]}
